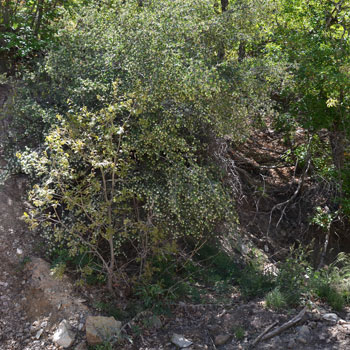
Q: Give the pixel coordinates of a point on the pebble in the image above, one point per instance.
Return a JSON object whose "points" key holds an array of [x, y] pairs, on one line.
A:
{"points": [[19, 251], [221, 339], [180, 341], [291, 344], [303, 334], [330, 317], [39, 333]]}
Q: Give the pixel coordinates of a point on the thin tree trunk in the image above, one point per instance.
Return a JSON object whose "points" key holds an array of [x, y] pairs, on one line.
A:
{"points": [[7, 14], [241, 51], [224, 5], [39, 17], [337, 141]]}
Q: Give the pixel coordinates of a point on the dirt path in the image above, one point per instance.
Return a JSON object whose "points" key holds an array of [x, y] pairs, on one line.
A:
{"points": [[13, 249]]}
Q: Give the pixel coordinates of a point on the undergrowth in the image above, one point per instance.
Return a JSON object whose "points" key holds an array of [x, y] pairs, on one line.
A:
{"points": [[213, 275]]}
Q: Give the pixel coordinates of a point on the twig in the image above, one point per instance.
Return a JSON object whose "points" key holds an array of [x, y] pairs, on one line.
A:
{"points": [[129, 324], [212, 341], [258, 338], [295, 194], [286, 325]]}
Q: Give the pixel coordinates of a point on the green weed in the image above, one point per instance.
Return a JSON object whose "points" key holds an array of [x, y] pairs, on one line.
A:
{"points": [[276, 300]]}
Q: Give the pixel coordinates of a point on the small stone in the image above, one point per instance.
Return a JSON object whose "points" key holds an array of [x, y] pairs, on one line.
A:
{"points": [[43, 324], [155, 322], [214, 329], [34, 327], [303, 334], [302, 340], [322, 336], [304, 331], [291, 344], [100, 329], [19, 251], [180, 341], [39, 333], [330, 317], [81, 346], [313, 324], [4, 284], [64, 336], [221, 339]]}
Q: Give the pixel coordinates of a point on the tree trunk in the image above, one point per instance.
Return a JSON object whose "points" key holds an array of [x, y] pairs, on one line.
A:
{"points": [[6, 13], [337, 139], [39, 17], [241, 51], [224, 4]]}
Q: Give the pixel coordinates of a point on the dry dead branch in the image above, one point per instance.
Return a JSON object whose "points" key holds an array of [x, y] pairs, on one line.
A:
{"points": [[296, 319]]}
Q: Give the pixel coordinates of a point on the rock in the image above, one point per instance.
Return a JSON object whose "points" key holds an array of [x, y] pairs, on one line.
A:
{"points": [[303, 334], [39, 333], [333, 318], [302, 340], [221, 339], [304, 331], [64, 336], [34, 327], [100, 329], [214, 329], [313, 324], [81, 346], [291, 344], [180, 341], [155, 322], [322, 336]]}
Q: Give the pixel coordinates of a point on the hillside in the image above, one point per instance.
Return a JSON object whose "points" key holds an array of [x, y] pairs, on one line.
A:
{"points": [[174, 174]]}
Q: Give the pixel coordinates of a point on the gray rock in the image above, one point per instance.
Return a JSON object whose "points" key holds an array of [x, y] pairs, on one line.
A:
{"points": [[330, 317], [322, 336], [64, 336], [214, 329], [291, 344], [303, 334], [313, 324], [302, 340], [34, 327], [304, 331], [100, 329], [155, 322], [81, 346], [39, 333], [221, 339], [180, 341]]}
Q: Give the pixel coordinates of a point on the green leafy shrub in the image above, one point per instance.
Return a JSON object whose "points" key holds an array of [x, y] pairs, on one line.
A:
{"points": [[129, 170], [124, 172], [239, 333], [276, 300], [253, 282], [327, 293], [28, 27]]}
